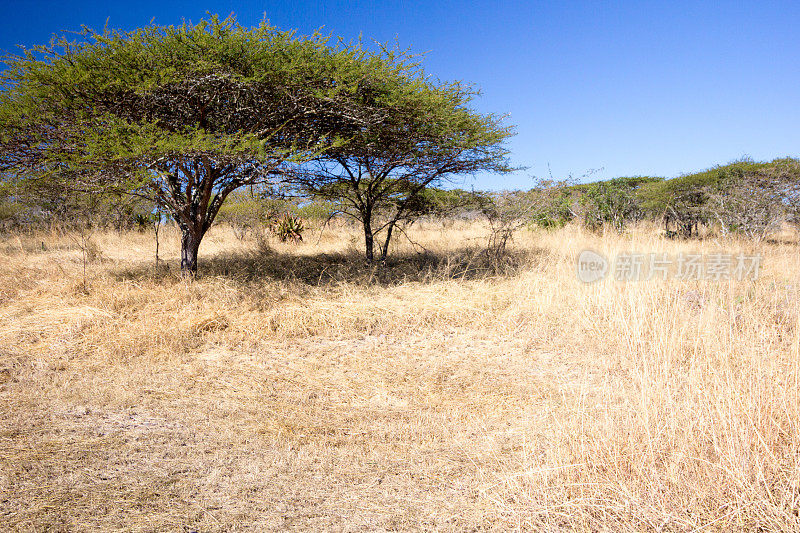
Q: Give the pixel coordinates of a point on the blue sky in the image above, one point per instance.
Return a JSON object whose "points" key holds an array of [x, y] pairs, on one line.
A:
{"points": [[632, 88]]}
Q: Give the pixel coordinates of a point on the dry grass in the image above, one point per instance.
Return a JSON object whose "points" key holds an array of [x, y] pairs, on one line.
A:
{"points": [[294, 388]]}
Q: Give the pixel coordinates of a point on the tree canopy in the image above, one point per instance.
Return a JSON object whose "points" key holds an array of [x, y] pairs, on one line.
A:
{"points": [[184, 115], [429, 135]]}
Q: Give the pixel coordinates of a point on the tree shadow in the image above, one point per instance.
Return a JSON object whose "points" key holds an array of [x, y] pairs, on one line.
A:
{"points": [[265, 264]]}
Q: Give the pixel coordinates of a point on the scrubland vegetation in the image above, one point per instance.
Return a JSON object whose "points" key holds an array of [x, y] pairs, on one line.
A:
{"points": [[293, 387], [360, 346]]}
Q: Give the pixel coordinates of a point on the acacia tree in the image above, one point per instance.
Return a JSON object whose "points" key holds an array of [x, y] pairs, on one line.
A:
{"points": [[755, 199], [429, 135], [615, 202], [180, 115]]}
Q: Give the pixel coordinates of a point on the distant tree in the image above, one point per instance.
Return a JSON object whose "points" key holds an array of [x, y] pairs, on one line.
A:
{"points": [[430, 135], [181, 115], [53, 206], [755, 199], [245, 213], [450, 203], [681, 203], [10, 208], [752, 198], [615, 202]]}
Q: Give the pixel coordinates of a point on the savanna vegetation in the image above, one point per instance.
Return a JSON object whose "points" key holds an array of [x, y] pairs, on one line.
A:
{"points": [[300, 376]]}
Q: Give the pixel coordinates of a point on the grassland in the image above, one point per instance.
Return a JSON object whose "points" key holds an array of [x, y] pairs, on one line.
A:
{"points": [[291, 387]]}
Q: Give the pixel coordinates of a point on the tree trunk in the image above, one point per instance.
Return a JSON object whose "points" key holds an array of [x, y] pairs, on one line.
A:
{"points": [[190, 243], [385, 250], [369, 241]]}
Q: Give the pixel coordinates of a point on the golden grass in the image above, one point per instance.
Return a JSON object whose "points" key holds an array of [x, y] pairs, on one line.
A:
{"points": [[294, 388]]}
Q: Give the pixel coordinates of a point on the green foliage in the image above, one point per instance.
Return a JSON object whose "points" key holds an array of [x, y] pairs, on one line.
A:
{"points": [[615, 202], [554, 205], [317, 210], [443, 203], [10, 208], [289, 228], [428, 136], [40, 205], [687, 195], [722, 194], [185, 115], [244, 210]]}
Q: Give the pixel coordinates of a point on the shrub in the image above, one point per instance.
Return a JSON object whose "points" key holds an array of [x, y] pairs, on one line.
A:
{"points": [[289, 228]]}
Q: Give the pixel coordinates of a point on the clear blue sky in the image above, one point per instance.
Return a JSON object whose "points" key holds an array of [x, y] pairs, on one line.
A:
{"points": [[634, 88]]}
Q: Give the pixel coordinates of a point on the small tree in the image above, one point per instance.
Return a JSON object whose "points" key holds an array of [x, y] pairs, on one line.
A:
{"points": [[179, 115], [545, 205], [428, 136]]}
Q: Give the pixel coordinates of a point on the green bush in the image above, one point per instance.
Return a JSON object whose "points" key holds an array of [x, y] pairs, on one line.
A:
{"points": [[289, 228], [615, 202]]}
